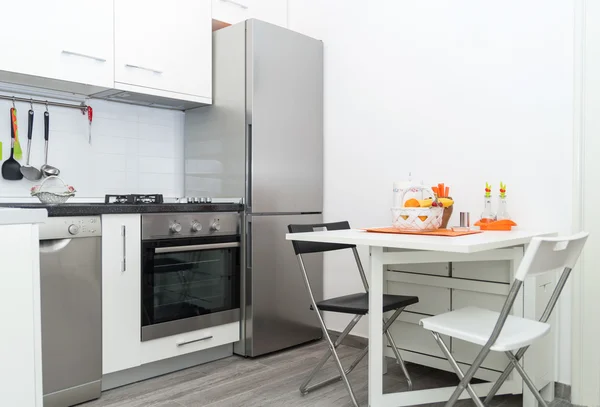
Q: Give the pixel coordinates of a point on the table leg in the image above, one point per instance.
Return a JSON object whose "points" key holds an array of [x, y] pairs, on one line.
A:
{"points": [[376, 327]]}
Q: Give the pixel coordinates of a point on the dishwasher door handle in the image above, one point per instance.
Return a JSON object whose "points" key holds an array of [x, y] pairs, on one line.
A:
{"points": [[53, 245], [124, 258]]}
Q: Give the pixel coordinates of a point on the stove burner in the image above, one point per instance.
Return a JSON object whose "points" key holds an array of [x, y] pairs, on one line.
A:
{"points": [[134, 199]]}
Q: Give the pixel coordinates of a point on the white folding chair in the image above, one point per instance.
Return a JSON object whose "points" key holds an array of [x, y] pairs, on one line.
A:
{"points": [[502, 332]]}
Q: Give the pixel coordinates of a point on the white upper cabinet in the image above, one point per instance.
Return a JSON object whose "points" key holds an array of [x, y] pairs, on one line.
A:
{"points": [[235, 11], [230, 11], [67, 40], [164, 48], [149, 51], [271, 11]]}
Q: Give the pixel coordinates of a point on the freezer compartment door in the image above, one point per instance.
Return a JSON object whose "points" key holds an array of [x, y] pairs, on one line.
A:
{"points": [[285, 128], [278, 310]]}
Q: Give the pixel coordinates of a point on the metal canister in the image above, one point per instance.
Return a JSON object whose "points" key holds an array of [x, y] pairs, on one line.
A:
{"points": [[465, 219]]}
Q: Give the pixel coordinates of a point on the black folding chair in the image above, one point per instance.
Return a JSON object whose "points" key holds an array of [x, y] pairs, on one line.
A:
{"points": [[357, 304]]}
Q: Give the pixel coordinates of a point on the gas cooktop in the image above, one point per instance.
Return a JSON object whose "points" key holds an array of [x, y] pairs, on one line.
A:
{"points": [[137, 199], [135, 203], [134, 199]]}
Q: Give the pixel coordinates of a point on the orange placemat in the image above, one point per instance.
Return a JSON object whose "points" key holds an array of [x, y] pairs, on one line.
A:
{"points": [[438, 232]]}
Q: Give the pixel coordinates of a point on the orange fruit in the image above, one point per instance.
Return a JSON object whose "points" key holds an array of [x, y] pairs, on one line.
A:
{"points": [[412, 203], [423, 218]]}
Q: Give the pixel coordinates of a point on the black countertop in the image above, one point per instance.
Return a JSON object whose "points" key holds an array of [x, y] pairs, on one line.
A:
{"points": [[89, 209]]}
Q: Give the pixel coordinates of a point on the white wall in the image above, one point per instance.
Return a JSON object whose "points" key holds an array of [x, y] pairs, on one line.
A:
{"points": [[461, 92], [134, 149]]}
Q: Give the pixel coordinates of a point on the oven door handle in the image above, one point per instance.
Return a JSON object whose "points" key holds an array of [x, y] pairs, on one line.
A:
{"points": [[197, 247]]}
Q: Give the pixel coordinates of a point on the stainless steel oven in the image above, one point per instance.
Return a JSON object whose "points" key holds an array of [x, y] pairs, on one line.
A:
{"points": [[190, 272]]}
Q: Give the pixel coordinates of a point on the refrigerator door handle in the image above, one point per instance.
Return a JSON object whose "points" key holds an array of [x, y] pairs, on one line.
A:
{"points": [[249, 245], [249, 167]]}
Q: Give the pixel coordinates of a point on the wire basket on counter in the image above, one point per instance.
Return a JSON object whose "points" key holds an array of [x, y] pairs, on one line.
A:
{"points": [[417, 218], [56, 194]]}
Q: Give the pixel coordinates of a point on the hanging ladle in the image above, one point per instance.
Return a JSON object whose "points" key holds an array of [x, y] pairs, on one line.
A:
{"points": [[47, 170], [29, 171]]}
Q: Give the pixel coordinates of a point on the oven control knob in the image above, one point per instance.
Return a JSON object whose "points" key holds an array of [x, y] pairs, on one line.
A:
{"points": [[215, 227], [73, 229], [196, 226], [175, 227]]}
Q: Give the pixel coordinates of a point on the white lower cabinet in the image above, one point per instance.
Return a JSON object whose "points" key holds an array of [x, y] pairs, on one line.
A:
{"points": [[176, 345], [432, 300], [121, 292], [466, 281], [21, 338], [411, 336], [495, 271], [121, 305]]}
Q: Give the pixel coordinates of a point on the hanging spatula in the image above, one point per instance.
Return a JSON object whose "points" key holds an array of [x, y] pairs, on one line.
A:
{"points": [[13, 120], [11, 169]]}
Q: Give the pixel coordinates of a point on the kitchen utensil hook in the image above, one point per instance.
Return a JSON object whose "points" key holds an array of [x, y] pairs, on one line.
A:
{"points": [[46, 105], [31, 103], [13, 100]]}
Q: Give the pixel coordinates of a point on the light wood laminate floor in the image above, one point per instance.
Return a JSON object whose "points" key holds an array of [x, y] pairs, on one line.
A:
{"points": [[273, 380]]}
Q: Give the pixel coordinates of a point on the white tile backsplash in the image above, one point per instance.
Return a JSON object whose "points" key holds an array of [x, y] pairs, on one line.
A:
{"points": [[134, 149], [156, 132]]}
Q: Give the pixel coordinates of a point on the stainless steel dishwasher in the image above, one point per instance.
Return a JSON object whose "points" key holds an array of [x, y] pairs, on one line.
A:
{"points": [[71, 300]]}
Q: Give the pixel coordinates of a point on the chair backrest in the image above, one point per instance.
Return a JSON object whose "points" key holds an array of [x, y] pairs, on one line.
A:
{"points": [[318, 247], [546, 254]]}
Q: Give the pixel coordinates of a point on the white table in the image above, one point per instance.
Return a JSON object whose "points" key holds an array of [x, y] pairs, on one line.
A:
{"points": [[434, 247]]}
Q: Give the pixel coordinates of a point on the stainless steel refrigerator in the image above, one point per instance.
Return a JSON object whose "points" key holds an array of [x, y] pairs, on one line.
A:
{"points": [[262, 139]]}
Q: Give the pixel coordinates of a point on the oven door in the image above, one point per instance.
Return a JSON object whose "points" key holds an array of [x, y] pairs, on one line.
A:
{"points": [[189, 284]]}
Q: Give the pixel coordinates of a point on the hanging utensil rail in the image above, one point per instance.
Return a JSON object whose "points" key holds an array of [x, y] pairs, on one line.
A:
{"points": [[83, 107]]}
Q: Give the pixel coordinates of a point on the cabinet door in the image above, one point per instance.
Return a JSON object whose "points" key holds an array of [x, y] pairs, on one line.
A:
{"points": [[164, 46], [230, 11], [21, 339], [432, 300], [271, 11], [121, 302], [67, 40], [177, 345]]}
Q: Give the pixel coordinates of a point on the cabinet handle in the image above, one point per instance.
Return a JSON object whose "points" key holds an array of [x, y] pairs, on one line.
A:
{"points": [[124, 260], [144, 68], [245, 7], [77, 54], [194, 341]]}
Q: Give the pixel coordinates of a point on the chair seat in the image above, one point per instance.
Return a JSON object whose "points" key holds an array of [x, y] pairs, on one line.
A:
{"points": [[475, 325], [359, 303]]}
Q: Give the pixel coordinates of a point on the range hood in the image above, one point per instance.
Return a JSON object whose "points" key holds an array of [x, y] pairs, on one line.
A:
{"points": [[143, 99]]}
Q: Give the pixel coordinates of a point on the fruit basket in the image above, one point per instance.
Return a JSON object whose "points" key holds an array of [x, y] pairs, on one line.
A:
{"points": [[56, 194], [417, 218]]}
